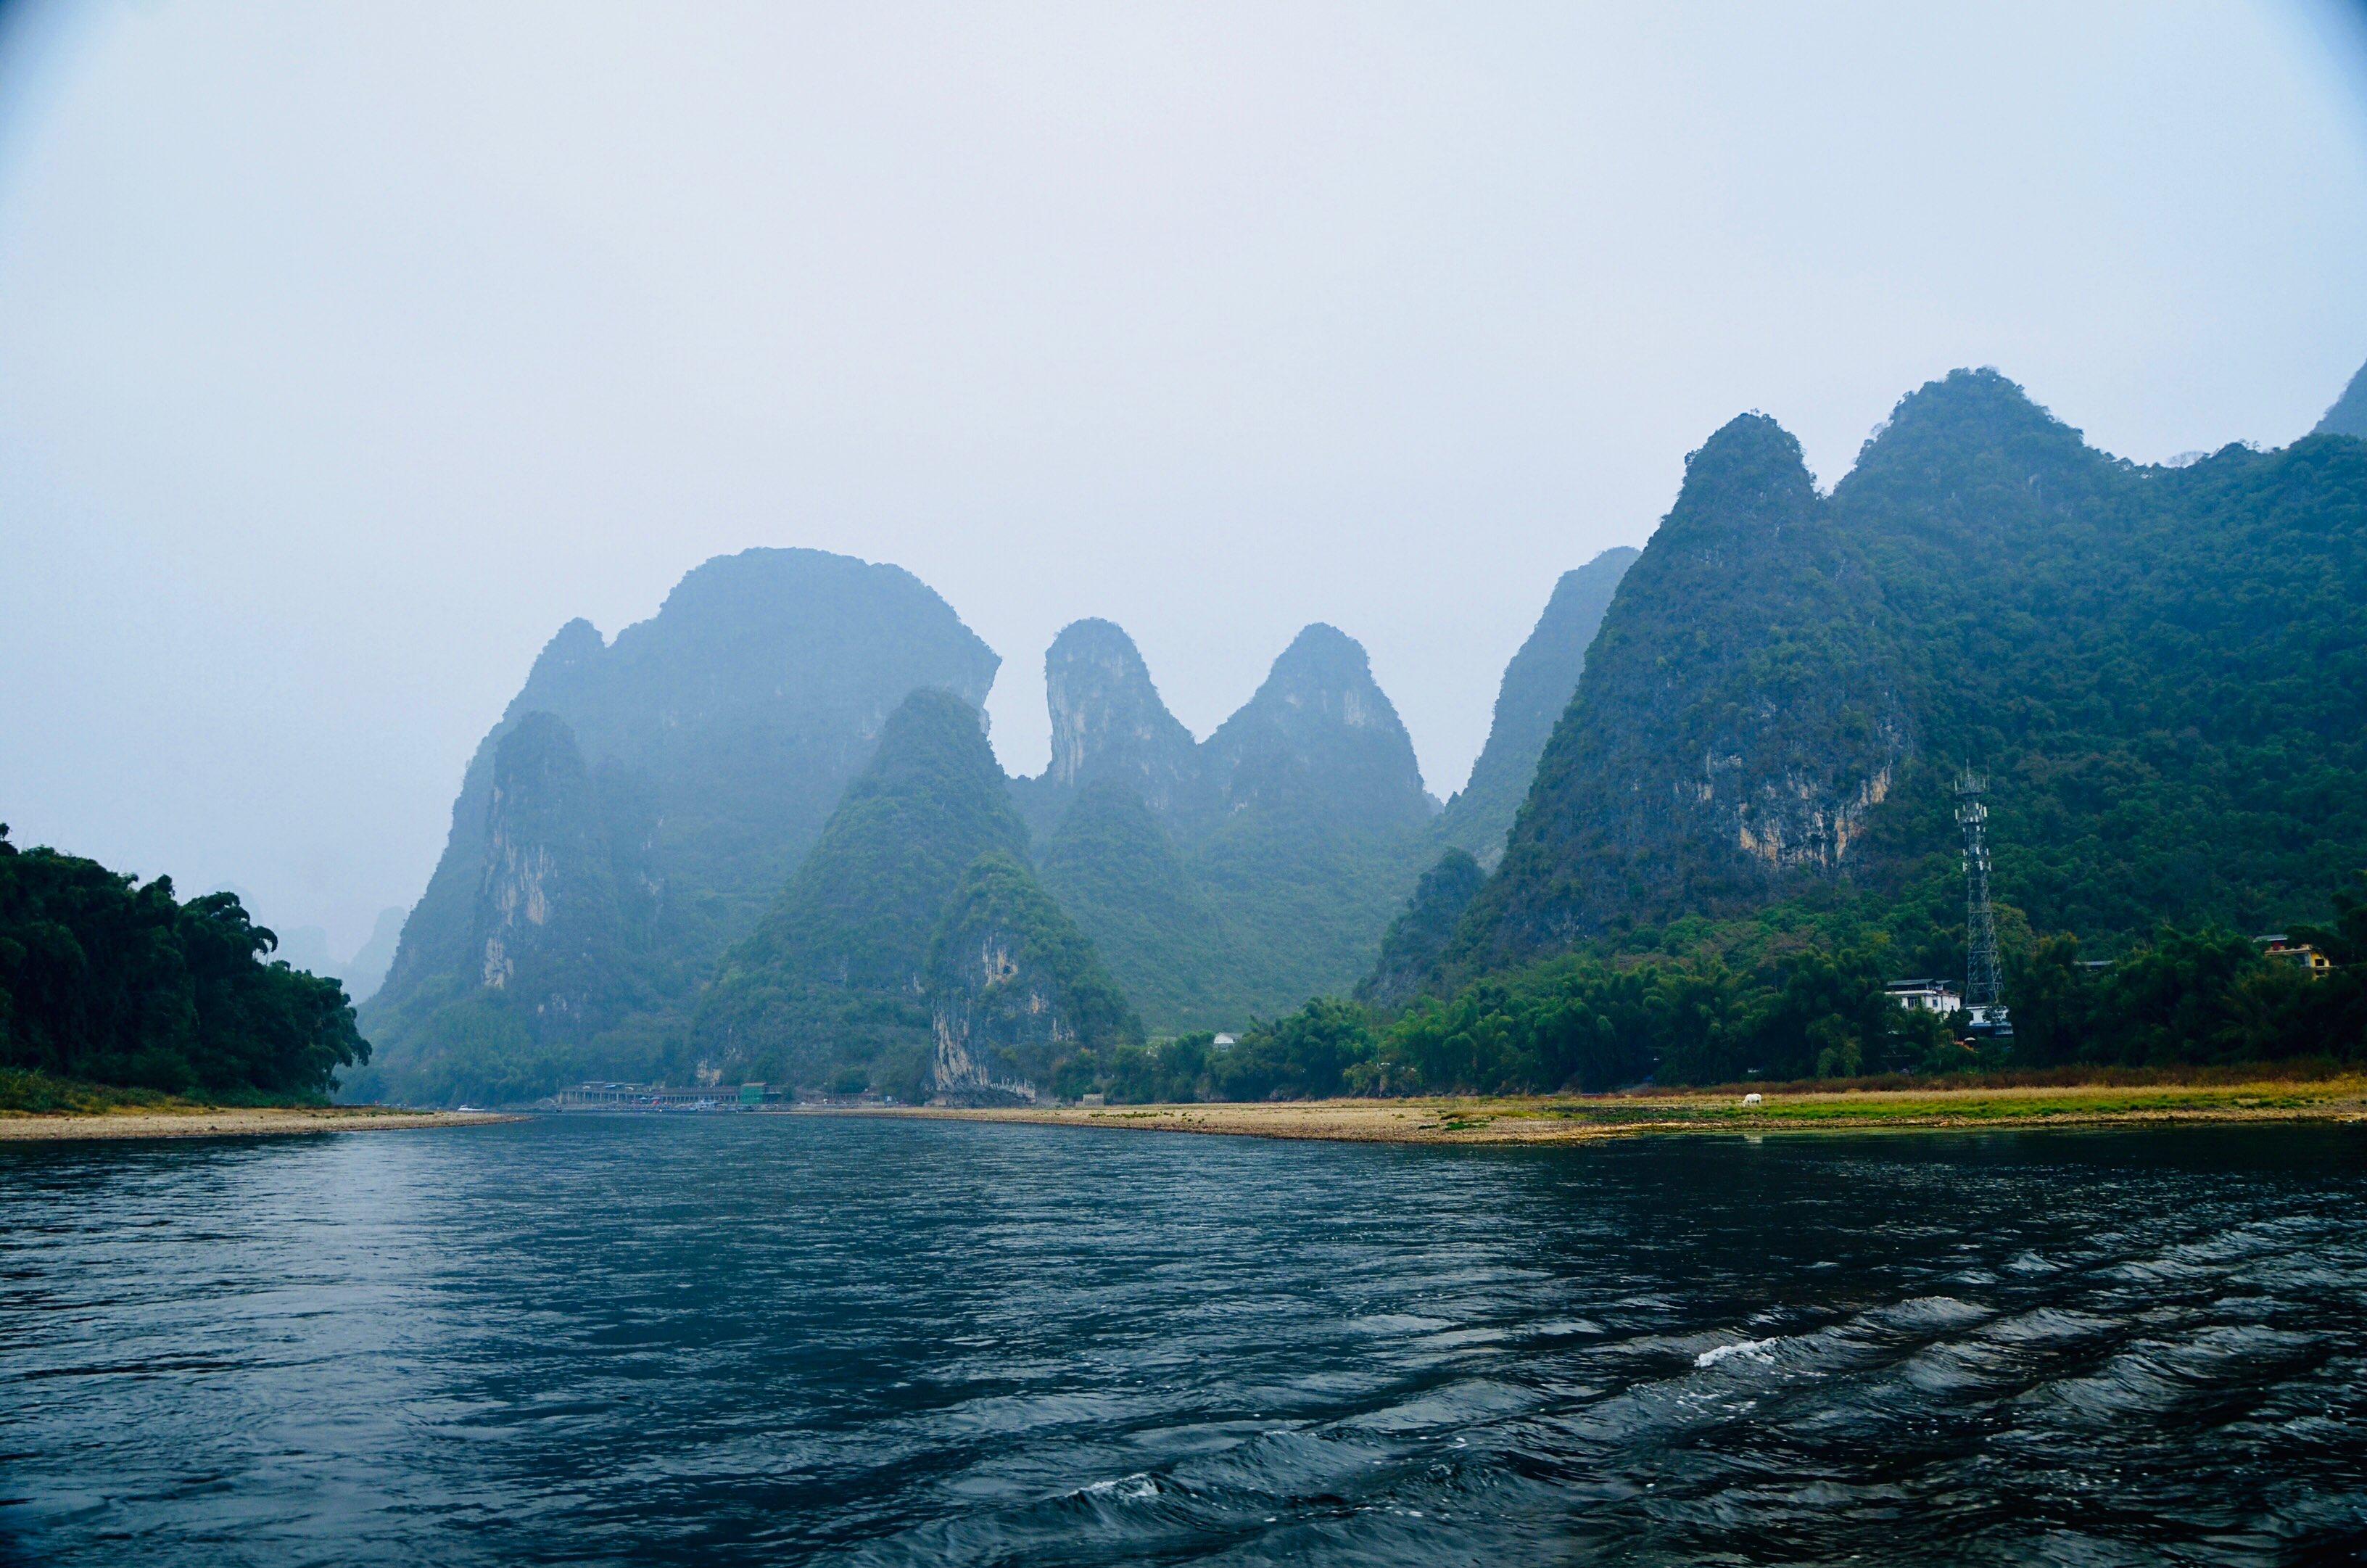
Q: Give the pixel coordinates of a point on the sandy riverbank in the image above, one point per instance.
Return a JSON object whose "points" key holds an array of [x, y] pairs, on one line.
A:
{"points": [[1576, 1118], [231, 1122]]}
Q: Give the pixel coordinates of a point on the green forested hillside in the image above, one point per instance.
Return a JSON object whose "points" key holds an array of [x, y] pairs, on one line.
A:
{"points": [[106, 980], [713, 741], [1013, 988], [834, 978], [1251, 871], [1417, 939], [1118, 874], [1743, 827], [2161, 670], [1538, 687]]}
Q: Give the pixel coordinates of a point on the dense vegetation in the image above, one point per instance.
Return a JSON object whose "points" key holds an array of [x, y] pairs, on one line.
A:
{"points": [[108, 980], [832, 981], [1418, 937], [1248, 872], [1013, 986], [1794, 993], [2162, 672], [1115, 869]]}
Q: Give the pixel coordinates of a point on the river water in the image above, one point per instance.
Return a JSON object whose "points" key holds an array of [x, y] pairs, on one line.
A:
{"points": [[780, 1339]]}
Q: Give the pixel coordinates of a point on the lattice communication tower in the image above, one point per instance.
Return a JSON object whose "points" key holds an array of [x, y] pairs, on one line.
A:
{"points": [[1981, 987]]}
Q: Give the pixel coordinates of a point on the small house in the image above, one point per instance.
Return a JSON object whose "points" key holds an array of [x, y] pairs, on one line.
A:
{"points": [[2300, 954], [1925, 995]]}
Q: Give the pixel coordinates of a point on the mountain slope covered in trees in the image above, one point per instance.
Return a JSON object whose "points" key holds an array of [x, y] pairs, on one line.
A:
{"points": [[1015, 987], [679, 776], [1239, 876], [834, 978], [2160, 671]]}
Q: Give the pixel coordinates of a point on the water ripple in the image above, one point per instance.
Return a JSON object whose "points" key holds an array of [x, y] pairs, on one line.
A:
{"points": [[783, 1339]]}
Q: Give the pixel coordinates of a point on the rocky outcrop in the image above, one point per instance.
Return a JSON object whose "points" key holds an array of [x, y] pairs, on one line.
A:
{"points": [[1538, 685], [1318, 734], [1109, 724], [547, 925], [1013, 988]]}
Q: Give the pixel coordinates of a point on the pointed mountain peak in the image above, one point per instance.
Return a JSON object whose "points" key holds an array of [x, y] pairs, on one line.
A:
{"points": [[1964, 411], [926, 723], [1750, 449], [1967, 432], [571, 653], [1747, 481], [2349, 414], [1095, 642], [1326, 669], [1320, 728], [1320, 646], [1108, 719]]}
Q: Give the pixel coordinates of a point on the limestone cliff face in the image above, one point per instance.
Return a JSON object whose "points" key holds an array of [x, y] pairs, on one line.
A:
{"points": [[1108, 724], [1013, 986], [548, 921]]}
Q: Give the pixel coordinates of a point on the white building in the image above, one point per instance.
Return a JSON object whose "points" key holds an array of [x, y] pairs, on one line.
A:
{"points": [[1925, 995]]}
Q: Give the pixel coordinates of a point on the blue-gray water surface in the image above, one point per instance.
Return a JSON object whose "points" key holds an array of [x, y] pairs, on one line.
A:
{"points": [[736, 1339]]}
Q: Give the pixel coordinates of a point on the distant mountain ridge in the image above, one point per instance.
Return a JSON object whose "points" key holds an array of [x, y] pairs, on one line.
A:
{"points": [[707, 744], [1239, 876], [2349, 414], [1538, 687]]}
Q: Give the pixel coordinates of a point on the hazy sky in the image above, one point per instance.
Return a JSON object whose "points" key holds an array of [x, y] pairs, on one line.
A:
{"points": [[346, 352]]}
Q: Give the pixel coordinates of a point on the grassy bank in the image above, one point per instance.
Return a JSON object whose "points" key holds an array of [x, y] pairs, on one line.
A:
{"points": [[1784, 1109], [38, 1093], [36, 1106]]}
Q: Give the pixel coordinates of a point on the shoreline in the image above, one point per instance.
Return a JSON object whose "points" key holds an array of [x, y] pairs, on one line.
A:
{"points": [[229, 1121], [1576, 1118]]}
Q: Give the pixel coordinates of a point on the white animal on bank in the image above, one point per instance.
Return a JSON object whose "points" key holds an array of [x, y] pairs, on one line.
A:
{"points": [[1754, 1097]]}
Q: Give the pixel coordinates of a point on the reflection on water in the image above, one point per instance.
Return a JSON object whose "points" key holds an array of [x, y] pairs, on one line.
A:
{"points": [[768, 1339]]}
